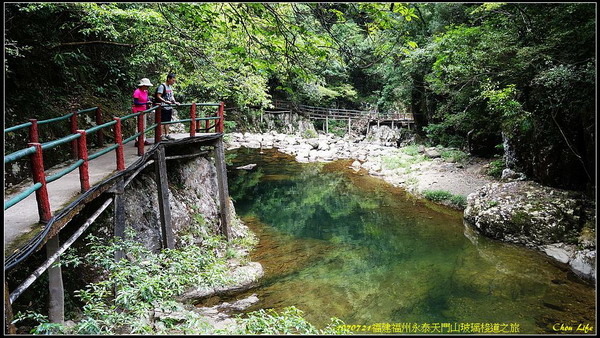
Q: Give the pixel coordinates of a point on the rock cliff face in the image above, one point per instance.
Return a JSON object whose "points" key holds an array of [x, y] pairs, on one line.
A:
{"points": [[195, 214], [557, 222], [194, 201], [141, 201], [386, 136]]}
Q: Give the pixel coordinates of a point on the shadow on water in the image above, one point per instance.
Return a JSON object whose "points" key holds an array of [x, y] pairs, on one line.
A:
{"points": [[335, 243]]}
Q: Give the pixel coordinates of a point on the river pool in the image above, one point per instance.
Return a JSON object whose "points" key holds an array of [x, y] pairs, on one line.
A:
{"points": [[336, 243]]}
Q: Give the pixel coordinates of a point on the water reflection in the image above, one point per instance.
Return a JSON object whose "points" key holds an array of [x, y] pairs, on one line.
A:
{"points": [[339, 244]]}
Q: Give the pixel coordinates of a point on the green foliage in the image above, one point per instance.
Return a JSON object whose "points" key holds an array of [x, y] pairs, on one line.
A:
{"points": [[515, 120], [445, 133], [43, 325], [289, 321], [338, 127], [496, 167], [459, 200], [412, 150], [445, 196], [401, 161], [230, 126], [471, 72], [140, 281], [453, 155], [309, 133], [437, 195]]}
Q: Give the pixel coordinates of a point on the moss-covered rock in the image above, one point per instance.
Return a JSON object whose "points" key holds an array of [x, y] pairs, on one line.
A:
{"points": [[536, 216]]}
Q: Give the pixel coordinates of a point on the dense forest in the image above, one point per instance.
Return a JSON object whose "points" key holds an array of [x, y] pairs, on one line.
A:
{"points": [[512, 80]]}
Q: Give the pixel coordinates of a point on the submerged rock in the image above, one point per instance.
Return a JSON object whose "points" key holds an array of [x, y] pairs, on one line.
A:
{"points": [[243, 277], [582, 261]]}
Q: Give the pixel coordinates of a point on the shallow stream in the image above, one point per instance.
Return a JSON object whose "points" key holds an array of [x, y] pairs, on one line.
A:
{"points": [[336, 243]]}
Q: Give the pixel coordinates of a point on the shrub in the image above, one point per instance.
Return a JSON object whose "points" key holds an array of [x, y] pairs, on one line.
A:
{"points": [[394, 161], [454, 155], [309, 133], [437, 195], [496, 167], [445, 196], [289, 321]]}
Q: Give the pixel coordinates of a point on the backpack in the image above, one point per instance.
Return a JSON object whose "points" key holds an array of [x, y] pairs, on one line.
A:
{"points": [[156, 100]]}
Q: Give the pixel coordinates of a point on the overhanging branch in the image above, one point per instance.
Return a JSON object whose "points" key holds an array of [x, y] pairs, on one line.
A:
{"points": [[94, 42]]}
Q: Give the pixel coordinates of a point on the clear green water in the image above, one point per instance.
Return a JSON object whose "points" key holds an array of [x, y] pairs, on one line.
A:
{"points": [[335, 243]]}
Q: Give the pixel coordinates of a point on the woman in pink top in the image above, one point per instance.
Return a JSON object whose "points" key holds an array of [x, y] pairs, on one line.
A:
{"points": [[140, 101]]}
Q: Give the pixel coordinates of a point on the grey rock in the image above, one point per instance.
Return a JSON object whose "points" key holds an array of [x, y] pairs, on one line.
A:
{"points": [[432, 153], [247, 167]]}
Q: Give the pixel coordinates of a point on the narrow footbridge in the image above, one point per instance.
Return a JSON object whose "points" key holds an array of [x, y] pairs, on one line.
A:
{"points": [[35, 214], [326, 114]]}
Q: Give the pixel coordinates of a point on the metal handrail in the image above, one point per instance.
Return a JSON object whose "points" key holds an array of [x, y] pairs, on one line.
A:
{"points": [[18, 154], [24, 125], [22, 195], [32, 150], [60, 118], [62, 173]]}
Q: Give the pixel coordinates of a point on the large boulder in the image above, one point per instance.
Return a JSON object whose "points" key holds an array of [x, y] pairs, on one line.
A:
{"points": [[527, 213], [383, 135], [557, 222]]}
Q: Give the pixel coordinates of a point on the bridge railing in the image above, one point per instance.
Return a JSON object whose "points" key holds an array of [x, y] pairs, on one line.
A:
{"points": [[78, 138], [335, 113]]}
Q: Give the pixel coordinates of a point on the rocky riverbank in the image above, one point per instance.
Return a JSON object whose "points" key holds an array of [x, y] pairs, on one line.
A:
{"points": [[558, 223], [417, 169]]}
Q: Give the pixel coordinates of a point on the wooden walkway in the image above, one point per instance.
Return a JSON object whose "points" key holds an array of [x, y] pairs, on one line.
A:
{"points": [[326, 114], [34, 215], [21, 222]]}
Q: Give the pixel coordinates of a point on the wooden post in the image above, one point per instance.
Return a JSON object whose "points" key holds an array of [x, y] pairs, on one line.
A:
{"points": [[8, 313], [140, 129], [73, 131], [41, 195], [193, 120], [84, 175], [99, 133], [34, 136], [119, 214], [56, 255], [221, 123], [163, 198], [119, 142], [56, 310], [157, 120], [349, 122], [223, 188], [327, 122]]}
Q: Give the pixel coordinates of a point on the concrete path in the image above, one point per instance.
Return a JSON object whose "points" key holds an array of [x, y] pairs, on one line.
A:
{"points": [[21, 220]]}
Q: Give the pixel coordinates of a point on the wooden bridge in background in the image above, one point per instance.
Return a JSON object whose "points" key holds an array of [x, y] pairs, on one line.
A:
{"points": [[327, 114], [60, 194]]}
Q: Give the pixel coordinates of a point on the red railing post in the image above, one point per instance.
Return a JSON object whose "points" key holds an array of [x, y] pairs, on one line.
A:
{"points": [[119, 142], [157, 120], [34, 136], [193, 120], [84, 175], [221, 128], [73, 131], [99, 134], [37, 171], [140, 129]]}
